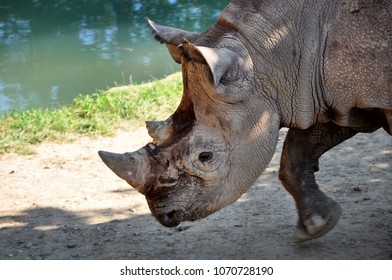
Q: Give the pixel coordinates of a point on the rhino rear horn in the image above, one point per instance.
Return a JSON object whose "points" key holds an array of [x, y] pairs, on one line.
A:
{"points": [[160, 131], [132, 167]]}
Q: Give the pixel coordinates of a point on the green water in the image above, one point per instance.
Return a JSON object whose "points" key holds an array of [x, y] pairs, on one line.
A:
{"points": [[54, 50]]}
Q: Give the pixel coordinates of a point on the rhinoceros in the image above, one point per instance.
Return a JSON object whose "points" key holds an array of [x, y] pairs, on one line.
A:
{"points": [[321, 68]]}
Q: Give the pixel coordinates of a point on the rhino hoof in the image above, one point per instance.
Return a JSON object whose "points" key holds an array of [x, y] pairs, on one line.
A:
{"points": [[316, 226]]}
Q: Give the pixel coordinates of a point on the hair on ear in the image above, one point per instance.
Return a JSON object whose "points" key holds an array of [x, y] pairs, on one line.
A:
{"points": [[191, 52], [172, 37]]}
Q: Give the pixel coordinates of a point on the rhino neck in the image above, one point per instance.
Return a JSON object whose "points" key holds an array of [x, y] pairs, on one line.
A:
{"points": [[287, 40], [257, 146]]}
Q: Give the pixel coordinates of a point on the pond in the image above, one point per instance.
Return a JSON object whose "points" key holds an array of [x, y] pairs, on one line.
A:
{"points": [[52, 51]]}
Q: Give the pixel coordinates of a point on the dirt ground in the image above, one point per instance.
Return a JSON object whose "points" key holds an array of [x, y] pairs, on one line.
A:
{"points": [[64, 203]]}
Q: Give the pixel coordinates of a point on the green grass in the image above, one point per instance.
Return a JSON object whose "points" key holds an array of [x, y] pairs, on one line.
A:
{"points": [[99, 113]]}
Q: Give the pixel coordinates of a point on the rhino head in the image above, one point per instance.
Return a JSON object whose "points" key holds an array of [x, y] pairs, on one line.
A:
{"points": [[219, 139]]}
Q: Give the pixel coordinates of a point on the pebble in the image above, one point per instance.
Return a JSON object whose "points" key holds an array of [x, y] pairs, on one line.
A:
{"points": [[184, 228], [29, 245], [71, 245]]}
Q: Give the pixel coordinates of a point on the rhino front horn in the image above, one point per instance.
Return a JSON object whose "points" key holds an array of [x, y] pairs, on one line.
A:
{"points": [[132, 167]]}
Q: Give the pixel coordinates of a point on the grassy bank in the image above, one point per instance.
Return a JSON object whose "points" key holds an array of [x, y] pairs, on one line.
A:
{"points": [[100, 113]]}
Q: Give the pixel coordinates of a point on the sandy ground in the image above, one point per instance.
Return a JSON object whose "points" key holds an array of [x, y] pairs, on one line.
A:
{"points": [[64, 203]]}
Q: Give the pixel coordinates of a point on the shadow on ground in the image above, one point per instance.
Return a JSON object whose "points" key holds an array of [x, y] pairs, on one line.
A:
{"points": [[253, 228]]}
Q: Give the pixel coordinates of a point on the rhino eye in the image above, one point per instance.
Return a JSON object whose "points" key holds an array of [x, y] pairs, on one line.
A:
{"points": [[205, 156]]}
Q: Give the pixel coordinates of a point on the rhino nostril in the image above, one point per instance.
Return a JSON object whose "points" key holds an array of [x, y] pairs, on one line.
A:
{"points": [[169, 220]]}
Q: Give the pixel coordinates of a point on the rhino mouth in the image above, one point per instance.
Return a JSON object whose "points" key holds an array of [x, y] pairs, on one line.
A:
{"points": [[168, 216], [171, 219], [175, 217]]}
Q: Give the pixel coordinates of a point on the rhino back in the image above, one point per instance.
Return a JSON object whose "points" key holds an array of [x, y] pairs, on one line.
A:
{"points": [[322, 60], [358, 61]]}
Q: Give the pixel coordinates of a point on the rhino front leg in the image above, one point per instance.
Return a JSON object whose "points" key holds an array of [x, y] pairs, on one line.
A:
{"points": [[317, 213]]}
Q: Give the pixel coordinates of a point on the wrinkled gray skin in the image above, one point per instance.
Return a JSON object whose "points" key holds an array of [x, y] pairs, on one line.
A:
{"points": [[322, 68]]}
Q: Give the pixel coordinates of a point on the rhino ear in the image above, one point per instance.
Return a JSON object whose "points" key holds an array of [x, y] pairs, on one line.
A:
{"points": [[219, 60], [172, 37]]}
